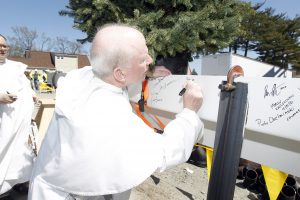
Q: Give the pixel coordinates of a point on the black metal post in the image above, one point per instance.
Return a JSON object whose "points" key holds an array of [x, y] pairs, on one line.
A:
{"points": [[228, 141]]}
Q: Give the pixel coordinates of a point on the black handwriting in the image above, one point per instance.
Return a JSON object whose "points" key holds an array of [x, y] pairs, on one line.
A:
{"points": [[293, 115], [278, 117], [283, 104], [261, 123], [275, 90], [159, 79], [155, 100]]}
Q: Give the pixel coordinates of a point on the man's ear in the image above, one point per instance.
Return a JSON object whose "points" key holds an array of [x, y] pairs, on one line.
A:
{"points": [[119, 75]]}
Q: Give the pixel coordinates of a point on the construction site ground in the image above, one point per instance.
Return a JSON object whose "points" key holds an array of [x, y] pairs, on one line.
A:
{"points": [[183, 182]]}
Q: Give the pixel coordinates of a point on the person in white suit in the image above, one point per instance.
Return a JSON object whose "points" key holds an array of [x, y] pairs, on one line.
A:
{"points": [[16, 107], [95, 146]]}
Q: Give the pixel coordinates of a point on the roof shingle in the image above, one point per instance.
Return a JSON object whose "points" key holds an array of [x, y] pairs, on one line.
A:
{"points": [[39, 59]]}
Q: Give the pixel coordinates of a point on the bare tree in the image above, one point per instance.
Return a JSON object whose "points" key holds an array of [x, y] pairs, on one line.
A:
{"points": [[45, 43], [75, 47], [63, 45], [25, 39], [22, 40]]}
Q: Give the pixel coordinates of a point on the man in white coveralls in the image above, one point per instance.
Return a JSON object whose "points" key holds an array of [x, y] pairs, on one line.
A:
{"points": [[16, 107], [95, 146]]}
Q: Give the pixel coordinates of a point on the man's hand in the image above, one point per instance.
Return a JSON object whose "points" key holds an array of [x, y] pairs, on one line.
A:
{"points": [[192, 98], [7, 98]]}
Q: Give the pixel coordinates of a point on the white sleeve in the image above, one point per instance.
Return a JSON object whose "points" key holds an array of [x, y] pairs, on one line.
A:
{"points": [[179, 137]]}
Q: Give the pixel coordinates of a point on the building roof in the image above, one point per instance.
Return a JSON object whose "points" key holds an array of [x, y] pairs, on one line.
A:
{"points": [[83, 61], [42, 60]]}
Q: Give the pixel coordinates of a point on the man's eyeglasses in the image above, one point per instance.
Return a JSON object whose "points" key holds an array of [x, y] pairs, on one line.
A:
{"points": [[3, 46]]}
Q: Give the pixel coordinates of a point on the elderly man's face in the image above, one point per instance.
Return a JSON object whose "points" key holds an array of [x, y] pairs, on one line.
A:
{"points": [[139, 64], [3, 49]]}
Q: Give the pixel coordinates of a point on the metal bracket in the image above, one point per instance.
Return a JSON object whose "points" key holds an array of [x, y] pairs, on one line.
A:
{"points": [[234, 72]]}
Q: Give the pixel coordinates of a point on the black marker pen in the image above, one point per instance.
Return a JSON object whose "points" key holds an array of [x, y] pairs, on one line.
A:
{"points": [[182, 91]]}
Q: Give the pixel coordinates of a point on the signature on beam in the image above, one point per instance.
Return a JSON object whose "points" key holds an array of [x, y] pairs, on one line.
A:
{"points": [[275, 90], [158, 79]]}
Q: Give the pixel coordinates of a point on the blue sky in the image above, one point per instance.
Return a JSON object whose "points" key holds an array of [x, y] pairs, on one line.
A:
{"points": [[42, 16], [39, 15], [290, 7]]}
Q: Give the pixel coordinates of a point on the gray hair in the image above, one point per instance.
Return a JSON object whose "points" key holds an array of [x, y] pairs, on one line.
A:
{"points": [[105, 58], [3, 37]]}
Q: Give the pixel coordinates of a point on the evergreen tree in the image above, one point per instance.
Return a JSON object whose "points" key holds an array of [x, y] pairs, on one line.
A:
{"points": [[171, 27], [277, 39], [245, 36]]}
